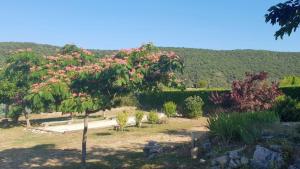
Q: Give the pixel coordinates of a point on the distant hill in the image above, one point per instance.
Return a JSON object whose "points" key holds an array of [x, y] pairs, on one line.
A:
{"points": [[6, 48], [218, 67], [221, 67]]}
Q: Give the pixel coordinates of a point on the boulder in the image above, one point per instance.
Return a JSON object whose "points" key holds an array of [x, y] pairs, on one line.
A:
{"points": [[234, 163], [296, 165], [244, 161], [222, 160], [206, 146], [264, 158], [5, 123]]}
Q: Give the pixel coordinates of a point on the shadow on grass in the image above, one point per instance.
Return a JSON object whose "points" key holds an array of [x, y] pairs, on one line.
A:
{"points": [[38, 122], [103, 134], [47, 156], [34, 122]]}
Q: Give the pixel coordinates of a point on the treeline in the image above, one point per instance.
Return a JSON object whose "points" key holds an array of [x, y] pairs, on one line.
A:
{"points": [[217, 67]]}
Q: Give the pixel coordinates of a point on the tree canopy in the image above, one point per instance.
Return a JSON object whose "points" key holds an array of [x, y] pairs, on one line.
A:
{"points": [[286, 15]]}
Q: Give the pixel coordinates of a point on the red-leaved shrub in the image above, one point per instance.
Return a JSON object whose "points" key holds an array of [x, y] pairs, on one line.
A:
{"points": [[251, 94]]}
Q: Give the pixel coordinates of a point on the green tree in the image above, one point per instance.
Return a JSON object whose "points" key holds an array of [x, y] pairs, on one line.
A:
{"points": [[19, 75], [8, 91], [286, 15], [94, 83]]}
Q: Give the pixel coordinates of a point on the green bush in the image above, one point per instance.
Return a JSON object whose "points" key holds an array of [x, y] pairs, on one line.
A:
{"points": [[169, 109], [122, 119], [193, 107], [290, 81], [292, 91], [246, 127], [202, 84], [14, 113], [138, 118], [287, 108], [153, 117]]}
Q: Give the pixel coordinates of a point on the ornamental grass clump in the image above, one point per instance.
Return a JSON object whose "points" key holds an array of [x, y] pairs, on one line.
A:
{"points": [[138, 118], [245, 127], [153, 117], [170, 109], [122, 119]]}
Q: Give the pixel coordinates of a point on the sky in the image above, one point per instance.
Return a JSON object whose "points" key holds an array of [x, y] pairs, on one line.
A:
{"points": [[116, 24]]}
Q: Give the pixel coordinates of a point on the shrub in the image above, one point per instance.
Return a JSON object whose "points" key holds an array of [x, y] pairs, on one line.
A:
{"points": [[193, 106], [251, 94], [202, 84], [153, 117], [292, 91], [170, 109], [122, 119], [246, 127], [14, 113], [138, 118], [290, 81], [287, 108]]}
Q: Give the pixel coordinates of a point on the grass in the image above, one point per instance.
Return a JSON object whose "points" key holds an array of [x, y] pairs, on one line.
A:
{"points": [[106, 148], [246, 127]]}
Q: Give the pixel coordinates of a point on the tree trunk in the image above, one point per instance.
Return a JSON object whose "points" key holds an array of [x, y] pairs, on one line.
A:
{"points": [[84, 139], [6, 110], [28, 125], [72, 118]]}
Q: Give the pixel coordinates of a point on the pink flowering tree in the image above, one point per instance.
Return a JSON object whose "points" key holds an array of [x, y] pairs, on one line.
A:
{"points": [[90, 84]]}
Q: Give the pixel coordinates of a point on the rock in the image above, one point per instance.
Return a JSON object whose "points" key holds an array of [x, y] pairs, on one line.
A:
{"points": [[202, 161], [234, 163], [5, 123], [234, 154], [213, 162], [194, 153], [206, 146], [296, 165], [267, 135], [244, 161], [215, 167], [264, 158], [276, 148], [292, 167], [222, 161]]}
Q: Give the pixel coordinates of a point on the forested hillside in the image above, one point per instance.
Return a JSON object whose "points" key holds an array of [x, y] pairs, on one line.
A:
{"points": [[218, 67], [8, 47]]}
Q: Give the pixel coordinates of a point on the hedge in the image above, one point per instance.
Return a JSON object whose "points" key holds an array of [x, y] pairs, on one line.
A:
{"points": [[156, 100], [292, 91]]}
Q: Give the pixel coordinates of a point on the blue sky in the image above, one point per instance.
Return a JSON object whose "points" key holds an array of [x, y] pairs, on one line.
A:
{"points": [[114, 24]]}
